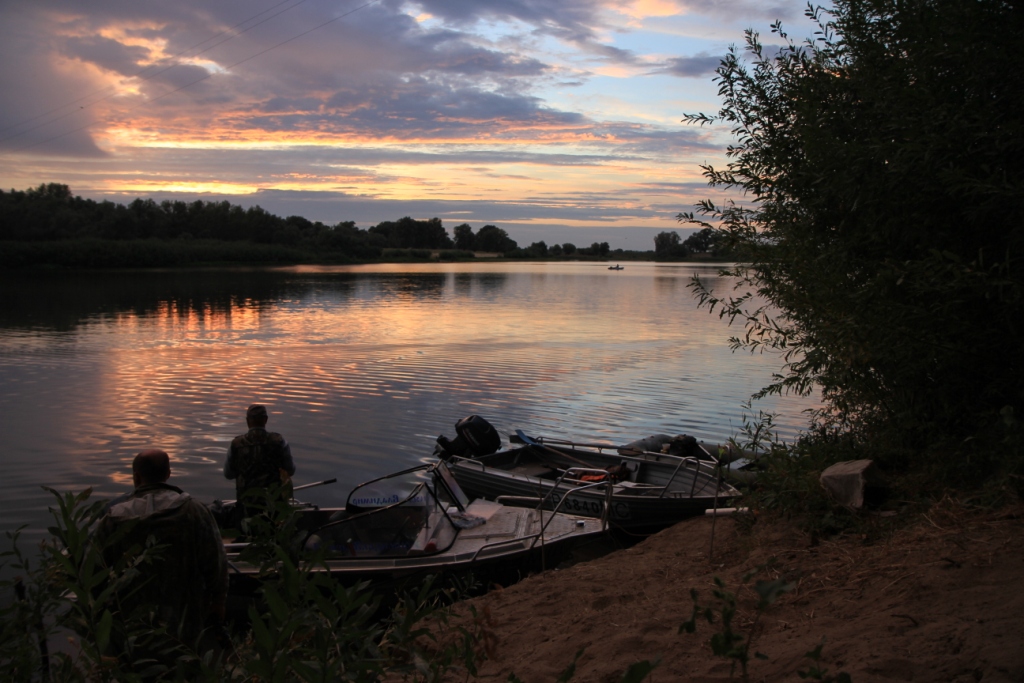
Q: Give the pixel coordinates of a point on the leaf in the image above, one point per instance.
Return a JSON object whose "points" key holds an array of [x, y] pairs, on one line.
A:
{"points": [[769, 591], [639, 671], [103, 630], [570, 670]]}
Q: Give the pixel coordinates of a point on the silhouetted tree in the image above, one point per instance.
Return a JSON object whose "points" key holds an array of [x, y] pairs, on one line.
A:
{"points": [[667, 244], [883, 231], [492, 238], [464, 238], [407, 233], [539, 249]]}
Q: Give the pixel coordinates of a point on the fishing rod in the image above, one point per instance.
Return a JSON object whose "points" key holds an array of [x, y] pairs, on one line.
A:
{"points": [[315, 483]]}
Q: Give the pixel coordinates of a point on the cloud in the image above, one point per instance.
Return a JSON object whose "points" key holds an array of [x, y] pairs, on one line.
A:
{"points": [[106, 54], [698, 66], [526, 111]]}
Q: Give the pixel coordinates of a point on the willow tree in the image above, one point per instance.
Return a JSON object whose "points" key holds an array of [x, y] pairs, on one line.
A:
{"points": [[881, 219]]}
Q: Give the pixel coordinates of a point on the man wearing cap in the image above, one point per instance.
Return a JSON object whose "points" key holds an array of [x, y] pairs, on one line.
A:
{"points": [[258, 458], [184, 586]]}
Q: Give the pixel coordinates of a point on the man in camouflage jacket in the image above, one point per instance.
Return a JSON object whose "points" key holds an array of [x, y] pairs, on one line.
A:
{"points": [[183, 585]]}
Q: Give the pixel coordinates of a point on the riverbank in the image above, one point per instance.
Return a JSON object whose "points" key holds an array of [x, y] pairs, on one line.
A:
{"points": [[937, 600]]}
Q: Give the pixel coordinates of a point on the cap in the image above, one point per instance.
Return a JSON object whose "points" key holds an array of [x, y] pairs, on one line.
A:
{"points": [[256, 412]]}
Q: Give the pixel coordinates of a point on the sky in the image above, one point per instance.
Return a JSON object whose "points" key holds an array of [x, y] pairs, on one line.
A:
{"points": [[556, 120]]}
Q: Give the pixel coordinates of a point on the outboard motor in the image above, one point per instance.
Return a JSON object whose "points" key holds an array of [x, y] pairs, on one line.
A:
{"points": [[475, 437]]}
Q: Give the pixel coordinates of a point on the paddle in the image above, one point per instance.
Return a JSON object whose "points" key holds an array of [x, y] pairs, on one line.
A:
{"points": [[315, 483], [530, 441]]}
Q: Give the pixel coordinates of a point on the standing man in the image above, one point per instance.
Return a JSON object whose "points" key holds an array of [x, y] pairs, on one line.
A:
{"points": [[185, 586], [258, 458]]}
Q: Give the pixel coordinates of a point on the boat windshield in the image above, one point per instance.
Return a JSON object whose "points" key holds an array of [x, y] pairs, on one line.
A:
{"points": [[445, 481], [398, 515]]}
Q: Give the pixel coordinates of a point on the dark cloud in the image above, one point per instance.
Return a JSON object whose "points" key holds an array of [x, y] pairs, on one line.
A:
{"points": [[107, 54], [698, 66]]}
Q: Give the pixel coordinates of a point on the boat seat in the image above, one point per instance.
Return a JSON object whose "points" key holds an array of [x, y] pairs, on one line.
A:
{"points": [[634, 469]]}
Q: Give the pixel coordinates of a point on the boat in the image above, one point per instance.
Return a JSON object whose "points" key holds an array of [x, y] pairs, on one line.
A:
{"points": [[636, 489], [616, 267], [420, 521]]}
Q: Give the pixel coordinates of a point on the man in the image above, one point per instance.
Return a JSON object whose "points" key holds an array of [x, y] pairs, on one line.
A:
{"points": [[184, 585], [258, 458]]}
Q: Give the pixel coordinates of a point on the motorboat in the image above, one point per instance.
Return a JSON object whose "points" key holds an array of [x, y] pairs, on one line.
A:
{"points": [[420, 521], [636, 488]]}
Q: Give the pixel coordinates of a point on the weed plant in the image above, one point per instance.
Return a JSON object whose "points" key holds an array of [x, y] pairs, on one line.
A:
{"points": [[299, 626]]}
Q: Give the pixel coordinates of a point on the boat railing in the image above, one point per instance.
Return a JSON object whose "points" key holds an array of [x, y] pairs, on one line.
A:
{"points": [[601, 447], [682, 462], [539, 536], [606, 503]]}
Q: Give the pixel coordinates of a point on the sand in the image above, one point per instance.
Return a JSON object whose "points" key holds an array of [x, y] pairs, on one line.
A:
{"points": [[936, 599]]}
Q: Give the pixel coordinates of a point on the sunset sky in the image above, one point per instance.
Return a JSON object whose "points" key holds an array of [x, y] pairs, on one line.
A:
{"points": [[557, 120]]}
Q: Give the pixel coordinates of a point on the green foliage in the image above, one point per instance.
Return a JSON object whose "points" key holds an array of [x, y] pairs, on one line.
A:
{"points": [[883, 240], [302, 626], [816, 673], [727, 642]]}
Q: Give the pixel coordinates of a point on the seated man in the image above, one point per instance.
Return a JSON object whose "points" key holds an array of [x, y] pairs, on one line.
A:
{"points": [[185, 585]]}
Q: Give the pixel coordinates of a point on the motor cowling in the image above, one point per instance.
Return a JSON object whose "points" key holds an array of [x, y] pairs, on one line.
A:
{"points": [[475, 437]]}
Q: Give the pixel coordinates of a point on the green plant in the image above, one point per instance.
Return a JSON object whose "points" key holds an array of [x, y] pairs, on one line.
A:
{"points": [[816, 673], [879, 240], [729, 642], [301, 626]]}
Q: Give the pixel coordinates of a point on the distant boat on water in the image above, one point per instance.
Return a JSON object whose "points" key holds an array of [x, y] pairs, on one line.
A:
{"points": [[616, 267]]}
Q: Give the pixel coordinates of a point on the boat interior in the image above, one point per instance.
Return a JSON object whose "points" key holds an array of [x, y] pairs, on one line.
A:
{"points": [[630, 475]]}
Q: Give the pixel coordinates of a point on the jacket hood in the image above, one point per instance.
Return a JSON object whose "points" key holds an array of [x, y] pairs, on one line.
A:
{"points": [[149, 502]]}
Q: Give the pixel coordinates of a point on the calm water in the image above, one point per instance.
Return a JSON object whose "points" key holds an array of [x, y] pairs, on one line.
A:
{"points": [[361, 367]]}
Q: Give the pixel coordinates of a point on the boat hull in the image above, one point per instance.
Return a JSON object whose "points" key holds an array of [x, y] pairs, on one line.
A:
{"points": [[512, 542]]}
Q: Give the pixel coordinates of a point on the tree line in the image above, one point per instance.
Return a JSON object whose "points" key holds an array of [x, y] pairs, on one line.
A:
{"points": [[49, 223]]}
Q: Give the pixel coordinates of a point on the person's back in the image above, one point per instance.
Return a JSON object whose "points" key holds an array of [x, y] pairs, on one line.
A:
{"points": [[257, 458], [185, 584]]}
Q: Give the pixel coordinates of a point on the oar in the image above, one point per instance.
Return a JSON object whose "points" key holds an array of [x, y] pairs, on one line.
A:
{"points": [[315, 483], [297, 488], [530, 441]]}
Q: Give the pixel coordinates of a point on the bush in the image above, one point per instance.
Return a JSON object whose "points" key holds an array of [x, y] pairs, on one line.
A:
{"points": [[884, 236], [303, 626]]}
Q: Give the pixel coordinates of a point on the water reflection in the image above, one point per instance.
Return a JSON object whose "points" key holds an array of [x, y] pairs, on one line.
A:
{"points": [[361, 367]]}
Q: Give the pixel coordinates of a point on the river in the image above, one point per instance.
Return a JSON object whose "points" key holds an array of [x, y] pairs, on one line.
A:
{"points": [[361, 367]]}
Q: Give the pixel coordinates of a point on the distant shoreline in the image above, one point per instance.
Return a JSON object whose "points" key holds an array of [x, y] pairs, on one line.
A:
{"points": [[146, 254]]}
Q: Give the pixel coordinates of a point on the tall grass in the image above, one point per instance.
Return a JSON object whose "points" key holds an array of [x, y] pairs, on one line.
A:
{"points": [[299, 626]]}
